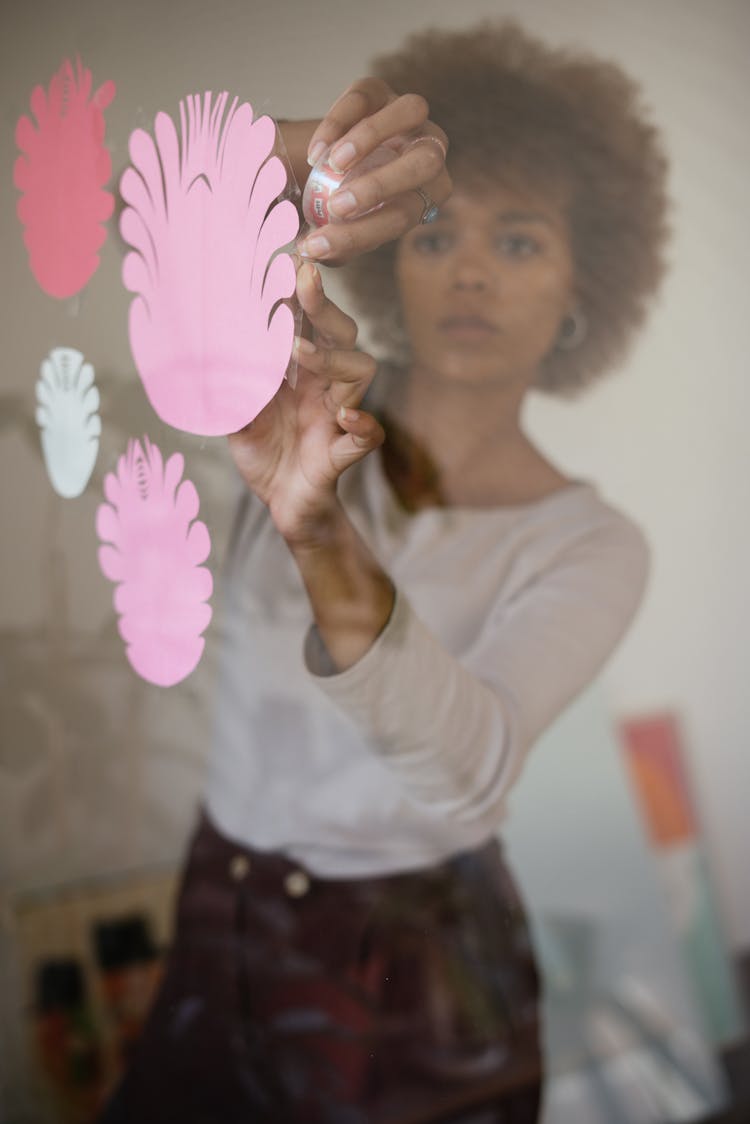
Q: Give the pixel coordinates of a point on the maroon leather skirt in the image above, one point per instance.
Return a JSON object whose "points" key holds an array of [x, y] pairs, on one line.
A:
{"points": [[289, 998]]}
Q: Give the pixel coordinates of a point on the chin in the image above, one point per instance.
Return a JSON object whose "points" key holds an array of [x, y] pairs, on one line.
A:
{"points": [[467, 371]]}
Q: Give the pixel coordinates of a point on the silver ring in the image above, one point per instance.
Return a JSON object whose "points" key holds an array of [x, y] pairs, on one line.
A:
{"points": [[427, 137], [431, 210]]}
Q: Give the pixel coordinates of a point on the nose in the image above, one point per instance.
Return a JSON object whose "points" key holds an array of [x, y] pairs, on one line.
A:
{"points": [[469, 282], [471, 272]]}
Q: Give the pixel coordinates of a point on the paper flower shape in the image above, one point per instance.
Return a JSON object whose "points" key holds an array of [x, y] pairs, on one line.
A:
{"points": [[153, 547], [61, 173], [67, 416], [209, 337]]}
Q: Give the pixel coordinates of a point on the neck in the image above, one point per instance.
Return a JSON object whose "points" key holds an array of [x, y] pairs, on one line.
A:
{"points": [[473, 439], [460, 409]]}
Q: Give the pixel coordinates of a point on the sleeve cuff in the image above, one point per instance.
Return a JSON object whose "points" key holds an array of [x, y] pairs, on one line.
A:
{"points": [[320, 665]]}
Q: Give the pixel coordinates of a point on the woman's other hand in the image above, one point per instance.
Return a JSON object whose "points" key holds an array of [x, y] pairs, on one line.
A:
{"points": [[366, 115], [293, 453]]}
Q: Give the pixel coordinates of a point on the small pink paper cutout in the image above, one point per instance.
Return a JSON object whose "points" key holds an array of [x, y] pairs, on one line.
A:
{"points": [[61, 173], [209, 337], [153, 548]]}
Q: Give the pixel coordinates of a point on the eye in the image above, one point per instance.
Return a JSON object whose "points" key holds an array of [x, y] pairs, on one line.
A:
{"points": [[517, 245], [431, 242]]}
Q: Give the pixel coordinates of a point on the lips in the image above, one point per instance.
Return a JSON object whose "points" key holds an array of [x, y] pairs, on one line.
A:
{"points": [[467, 325]]}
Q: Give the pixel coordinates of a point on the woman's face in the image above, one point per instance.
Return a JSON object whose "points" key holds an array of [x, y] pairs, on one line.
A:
{"points": [[484, 289]]}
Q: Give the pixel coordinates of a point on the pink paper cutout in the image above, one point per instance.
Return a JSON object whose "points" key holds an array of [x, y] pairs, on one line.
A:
{"points": [[209, 338], [61, 173], [154, 547]]}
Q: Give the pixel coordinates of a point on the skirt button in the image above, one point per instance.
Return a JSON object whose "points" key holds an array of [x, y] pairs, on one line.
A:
{"points": [[239, 867], [296, 884]]}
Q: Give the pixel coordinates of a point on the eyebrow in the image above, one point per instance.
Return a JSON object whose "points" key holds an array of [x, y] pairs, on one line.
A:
{"points": [[524, 216], [446, 212]]}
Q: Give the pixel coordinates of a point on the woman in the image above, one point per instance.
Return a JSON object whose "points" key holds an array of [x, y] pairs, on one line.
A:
{"points": [[350, 946]]}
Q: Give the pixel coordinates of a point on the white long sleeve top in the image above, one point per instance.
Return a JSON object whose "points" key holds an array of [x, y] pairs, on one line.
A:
{"points": [[501, 617]]}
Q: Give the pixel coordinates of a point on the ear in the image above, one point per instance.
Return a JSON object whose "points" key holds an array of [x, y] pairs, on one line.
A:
{"points": [[573, 329]]}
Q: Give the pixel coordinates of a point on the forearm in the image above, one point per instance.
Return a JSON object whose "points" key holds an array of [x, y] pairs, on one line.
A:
{"points": [[450, 739], [350, 594]]}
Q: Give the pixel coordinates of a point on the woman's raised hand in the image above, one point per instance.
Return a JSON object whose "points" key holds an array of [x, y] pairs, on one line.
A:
{"points": [[293, 453], [365, 116]]}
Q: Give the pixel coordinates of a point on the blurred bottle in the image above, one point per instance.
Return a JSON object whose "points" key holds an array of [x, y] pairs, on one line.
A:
{"points": [[67, 1045], [131, 968]]}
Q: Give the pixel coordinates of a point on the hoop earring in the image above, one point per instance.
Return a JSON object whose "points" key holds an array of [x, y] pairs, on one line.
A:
{"points": [[572, 331]]}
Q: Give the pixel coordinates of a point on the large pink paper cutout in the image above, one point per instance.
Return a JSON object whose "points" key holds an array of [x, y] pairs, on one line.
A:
{"points": [[154, 547], [67, 416], [61, 172], [209, 337]]}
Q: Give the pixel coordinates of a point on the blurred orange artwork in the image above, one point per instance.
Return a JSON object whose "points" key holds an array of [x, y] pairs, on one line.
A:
{"points": [[655, 759]]}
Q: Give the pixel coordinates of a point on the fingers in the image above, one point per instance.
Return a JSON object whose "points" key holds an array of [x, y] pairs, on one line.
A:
{"points": [[421, 164], [360, 235], [331, 324], [337, 243], [362, 433], [344, 375], [361, 99], [369, 114], [397, 120]]}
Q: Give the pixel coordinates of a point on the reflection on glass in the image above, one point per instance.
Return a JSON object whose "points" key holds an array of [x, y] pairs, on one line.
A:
{"points": [[413, 592]]}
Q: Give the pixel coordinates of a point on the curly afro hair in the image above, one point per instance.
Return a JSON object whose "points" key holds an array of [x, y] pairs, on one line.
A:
{"points": [[520, 112]]}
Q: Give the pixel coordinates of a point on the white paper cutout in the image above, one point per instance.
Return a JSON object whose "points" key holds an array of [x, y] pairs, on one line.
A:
{"points": [[154, 547], [209, 337], [67, 416]]}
